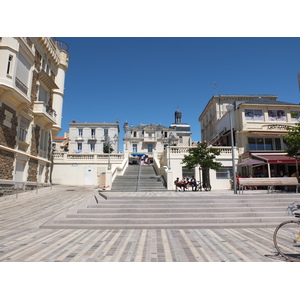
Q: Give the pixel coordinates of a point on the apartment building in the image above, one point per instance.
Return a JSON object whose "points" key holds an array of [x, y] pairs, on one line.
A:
{"points": [[32, 79], [259, 125], [97, 138]]}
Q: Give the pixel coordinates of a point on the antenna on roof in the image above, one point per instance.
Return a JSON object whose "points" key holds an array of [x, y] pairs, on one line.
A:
{"points": [[215, 87]]}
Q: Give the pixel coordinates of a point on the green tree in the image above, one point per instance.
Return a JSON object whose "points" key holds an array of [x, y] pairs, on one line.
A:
{"points": [[293, 139], [107, 148], [293, 142], [202, 156]]}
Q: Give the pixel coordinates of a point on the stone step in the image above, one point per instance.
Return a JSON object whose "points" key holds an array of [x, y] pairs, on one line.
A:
{"points": [[169, 210], [161, 226], [179, 216], [154, 221]]}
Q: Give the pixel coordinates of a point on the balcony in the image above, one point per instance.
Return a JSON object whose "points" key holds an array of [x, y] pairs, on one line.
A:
{"points": [[92, 138], [79, 138], [150, 139], [22, 146], [44, 110], [21, 86], [47, 80]]}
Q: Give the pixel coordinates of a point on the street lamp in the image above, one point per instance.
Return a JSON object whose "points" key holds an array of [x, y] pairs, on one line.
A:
{"points": [[170, 140], [108, 143], [230, 109]]}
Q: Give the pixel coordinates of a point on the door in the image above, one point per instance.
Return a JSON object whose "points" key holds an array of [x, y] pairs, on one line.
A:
{"points": [[90, 177]]}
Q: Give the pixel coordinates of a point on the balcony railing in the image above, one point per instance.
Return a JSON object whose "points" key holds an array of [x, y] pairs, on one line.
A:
{"points": [[92, 137], [42, 108], [80, 156], [21, 86]]}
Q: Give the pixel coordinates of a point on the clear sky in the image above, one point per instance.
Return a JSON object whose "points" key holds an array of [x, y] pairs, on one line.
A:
{"points": [[144, 80]]}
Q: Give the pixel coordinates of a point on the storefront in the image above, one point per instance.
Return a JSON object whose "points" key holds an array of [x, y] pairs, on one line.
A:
{"points": [[268, 165]]}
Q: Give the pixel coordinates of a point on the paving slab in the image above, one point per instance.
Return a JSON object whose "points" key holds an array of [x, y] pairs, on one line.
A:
{"points": [[23, 238]]}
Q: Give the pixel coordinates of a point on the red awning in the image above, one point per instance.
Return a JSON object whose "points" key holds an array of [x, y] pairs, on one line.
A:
{"points": [[278, 159]]}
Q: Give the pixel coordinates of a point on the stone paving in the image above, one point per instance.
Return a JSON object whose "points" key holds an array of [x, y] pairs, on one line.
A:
{"points": [[22, 239]]}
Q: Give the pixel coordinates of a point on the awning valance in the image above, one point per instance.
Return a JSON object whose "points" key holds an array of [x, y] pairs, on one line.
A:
{"points": [[277, 159]]}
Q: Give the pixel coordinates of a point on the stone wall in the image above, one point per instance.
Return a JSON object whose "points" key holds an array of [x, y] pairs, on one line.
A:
{"points": [[33, 163], [8, 126], [7, 165], [32, 170]]}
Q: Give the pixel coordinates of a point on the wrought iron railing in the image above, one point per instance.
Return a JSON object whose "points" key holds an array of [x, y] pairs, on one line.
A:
{"points": [[21, 86]]}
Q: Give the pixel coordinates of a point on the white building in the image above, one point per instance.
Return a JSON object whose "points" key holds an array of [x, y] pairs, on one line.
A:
{"points": [[92, 137], [32, 79], [152, 139]]}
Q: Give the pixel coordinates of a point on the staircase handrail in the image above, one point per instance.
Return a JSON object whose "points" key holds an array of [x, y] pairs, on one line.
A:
{"points": [[139, 178]]}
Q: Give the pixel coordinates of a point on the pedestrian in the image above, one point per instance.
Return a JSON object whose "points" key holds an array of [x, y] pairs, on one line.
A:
{"points": [[176, 182], [193, 183]]}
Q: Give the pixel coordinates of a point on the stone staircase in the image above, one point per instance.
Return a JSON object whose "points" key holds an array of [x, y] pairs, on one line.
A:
{"points": [[181, 210], [138, 178]]}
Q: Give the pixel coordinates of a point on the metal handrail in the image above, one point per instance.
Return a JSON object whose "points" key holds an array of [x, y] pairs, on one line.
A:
{"points": [[139, 178]]}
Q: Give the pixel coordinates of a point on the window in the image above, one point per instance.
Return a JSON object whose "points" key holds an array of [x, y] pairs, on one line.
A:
{"points": [[150, 148], [43, 140], [254, 115], [9, 65], [79, 147], [93, 133], [276, 115], [80, 132], [263, 144], [149, 134], [43, 95], [224, 173], [166, 134], [92, 147], [23, 68], [134, 134], [295, 116], [24, 124], [134, 147], [106, 131]]}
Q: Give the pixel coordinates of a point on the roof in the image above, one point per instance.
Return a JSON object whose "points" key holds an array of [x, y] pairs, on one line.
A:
{"points": [[266, 101]]}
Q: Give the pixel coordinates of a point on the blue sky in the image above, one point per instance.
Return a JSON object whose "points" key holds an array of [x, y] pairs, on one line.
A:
{"points": [[144, 80]]}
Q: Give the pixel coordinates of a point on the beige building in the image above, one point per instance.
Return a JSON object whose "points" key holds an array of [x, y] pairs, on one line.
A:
{"points": [[259, 124], [152, 139], [32, 79]]}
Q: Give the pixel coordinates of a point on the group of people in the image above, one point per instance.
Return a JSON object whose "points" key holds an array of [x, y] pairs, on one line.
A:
{"points": [[185, 183]]}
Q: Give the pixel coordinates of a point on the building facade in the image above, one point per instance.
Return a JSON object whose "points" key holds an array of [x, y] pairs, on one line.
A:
{"points": [[94, 137], [32, 79], [259, 125], [152, 139]]}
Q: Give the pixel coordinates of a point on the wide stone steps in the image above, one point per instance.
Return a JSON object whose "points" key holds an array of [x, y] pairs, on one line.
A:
{"points": [[170, 210], [149, 181]]}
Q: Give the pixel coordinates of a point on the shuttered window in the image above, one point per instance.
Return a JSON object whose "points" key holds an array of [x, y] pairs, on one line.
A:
{"points": [[23, 68]]}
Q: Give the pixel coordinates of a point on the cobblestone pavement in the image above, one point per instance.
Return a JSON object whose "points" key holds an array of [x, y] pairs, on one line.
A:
{"points": [[21, 239]]}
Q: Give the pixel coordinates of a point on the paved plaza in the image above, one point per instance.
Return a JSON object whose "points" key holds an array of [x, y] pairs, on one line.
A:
{"points": [[26, 236]]}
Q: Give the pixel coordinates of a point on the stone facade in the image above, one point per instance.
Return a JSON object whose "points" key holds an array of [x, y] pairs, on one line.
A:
{"points": [[32, 78], [6, 163], [8, 126], [32, 170]]}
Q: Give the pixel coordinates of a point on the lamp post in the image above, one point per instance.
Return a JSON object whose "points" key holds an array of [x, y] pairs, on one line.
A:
{"points": [[170, 140], [107, 142], [230, 109]]}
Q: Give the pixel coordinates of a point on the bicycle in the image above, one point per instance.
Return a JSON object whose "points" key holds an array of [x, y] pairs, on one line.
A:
{"points": [[286, 236]]}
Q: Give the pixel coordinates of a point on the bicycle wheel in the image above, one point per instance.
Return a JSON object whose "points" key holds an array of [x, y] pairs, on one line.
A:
{"points": [[286, 239]]}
